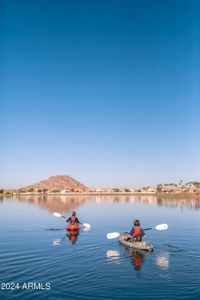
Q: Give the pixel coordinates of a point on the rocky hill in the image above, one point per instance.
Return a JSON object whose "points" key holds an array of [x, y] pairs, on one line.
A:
{"points": [[57, 183]]}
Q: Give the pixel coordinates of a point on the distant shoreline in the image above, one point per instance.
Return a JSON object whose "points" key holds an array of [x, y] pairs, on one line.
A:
{"points": [[65, 185], [177, 195]]}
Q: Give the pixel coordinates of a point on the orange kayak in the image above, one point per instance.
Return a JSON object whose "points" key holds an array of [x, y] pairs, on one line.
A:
{"points": [[75, 227]]}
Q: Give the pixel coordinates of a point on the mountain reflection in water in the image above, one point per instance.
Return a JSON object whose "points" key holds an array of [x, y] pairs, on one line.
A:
{"points": [[67, 203]]}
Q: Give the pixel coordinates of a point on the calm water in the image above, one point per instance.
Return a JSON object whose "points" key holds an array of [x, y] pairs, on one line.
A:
{"points": [[34, 247]]}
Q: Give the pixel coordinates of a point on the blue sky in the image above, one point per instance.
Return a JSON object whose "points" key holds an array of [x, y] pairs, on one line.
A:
{"points": [[104, 91]]}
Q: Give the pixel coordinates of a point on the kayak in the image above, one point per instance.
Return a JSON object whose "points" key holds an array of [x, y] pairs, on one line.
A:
{"points": [[135, 245], [74, 227]]}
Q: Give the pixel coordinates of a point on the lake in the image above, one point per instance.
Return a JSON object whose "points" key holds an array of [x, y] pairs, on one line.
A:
{"points": [[39, 260]]}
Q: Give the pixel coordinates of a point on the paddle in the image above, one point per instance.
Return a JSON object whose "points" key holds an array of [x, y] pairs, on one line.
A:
{"points": [[85, 225], [114, 235]]}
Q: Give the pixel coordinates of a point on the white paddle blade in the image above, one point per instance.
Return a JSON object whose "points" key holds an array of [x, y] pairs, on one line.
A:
{"points": [[113, 235], [161, 227], [87, 226], [57, 215]]}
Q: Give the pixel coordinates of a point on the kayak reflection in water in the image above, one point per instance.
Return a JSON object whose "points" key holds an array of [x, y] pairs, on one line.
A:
{"points": [[73, 236], [136, 233], [73, 220], [138, 258]]}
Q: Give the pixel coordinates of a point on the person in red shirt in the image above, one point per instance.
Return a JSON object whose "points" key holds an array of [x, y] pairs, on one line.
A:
{"points": [[73, 219]]}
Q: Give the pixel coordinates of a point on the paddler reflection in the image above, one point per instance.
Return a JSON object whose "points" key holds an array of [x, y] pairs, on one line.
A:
{"points": [[73, 236], [137, 257]]}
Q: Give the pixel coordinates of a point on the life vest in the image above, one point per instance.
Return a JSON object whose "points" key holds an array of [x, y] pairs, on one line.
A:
{"points": [[73, 220], [137, 232]]}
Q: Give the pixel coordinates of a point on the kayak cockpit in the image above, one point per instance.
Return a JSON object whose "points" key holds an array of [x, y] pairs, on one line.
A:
{"points": [[135, 245]]}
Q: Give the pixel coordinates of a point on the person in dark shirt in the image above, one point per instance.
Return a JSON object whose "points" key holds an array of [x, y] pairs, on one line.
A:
{"points": [[73, 219], [136, 233]]}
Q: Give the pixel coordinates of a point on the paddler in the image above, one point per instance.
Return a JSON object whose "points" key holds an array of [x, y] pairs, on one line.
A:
{"points": [[136, 233], [73, 219]]}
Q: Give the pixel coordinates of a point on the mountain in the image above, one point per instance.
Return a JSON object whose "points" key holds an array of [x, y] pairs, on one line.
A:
{"points": [[57, 183]]}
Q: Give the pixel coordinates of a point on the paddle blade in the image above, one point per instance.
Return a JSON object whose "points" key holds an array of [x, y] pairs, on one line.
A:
{"points": [[55, 214], [161, 227], [113, 235], [87, 226]]}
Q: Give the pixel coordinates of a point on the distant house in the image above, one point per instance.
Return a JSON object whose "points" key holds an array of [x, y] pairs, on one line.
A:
{"points": [[99, 190], [192, 190], [147, 190], [151, 190], [64, 191]]}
